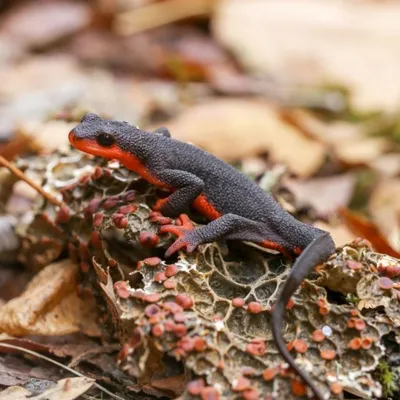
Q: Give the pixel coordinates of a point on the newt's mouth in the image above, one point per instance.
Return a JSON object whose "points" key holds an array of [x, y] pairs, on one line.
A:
{"points": [[86, 145], [90, 146], [72, 138]]}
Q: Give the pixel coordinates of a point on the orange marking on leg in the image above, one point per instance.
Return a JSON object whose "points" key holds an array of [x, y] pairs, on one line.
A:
{"points": [[297, 251], [275, 246], [159, 204], [202, 205], [268, 244]]}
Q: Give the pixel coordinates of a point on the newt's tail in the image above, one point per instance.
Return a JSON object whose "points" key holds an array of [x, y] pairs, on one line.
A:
{"points": [[315, 253]]}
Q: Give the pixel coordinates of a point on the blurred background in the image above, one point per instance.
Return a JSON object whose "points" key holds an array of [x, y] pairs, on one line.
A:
{"points": [[300, 93]]}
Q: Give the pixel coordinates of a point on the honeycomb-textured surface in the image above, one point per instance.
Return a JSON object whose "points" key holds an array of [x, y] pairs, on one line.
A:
{"points": [[210, 311]]}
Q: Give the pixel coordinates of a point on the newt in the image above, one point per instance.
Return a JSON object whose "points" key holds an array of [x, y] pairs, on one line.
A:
{"points": [[237, 208]]}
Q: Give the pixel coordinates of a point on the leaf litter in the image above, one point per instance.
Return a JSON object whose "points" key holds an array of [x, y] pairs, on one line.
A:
{"points": [[102, 297]]}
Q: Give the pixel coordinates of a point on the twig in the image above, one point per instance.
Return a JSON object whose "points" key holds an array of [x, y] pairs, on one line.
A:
{"points": [[33, 353], [161, 13], [17, 172]]}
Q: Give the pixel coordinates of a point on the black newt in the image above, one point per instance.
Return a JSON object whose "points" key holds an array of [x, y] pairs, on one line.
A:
{"points": [[236, 206]]}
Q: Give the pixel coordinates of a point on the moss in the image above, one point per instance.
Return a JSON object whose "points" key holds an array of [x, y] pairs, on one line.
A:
{"points": [[352, 299], [388, 379]]}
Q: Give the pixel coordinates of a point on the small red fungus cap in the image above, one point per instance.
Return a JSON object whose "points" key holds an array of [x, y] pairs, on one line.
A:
{"points": [[209, 393], [318, 336], [170, 284], [256, 347], [152, 261], [254, 307], [241, 384], [355, 343], [184, 301], [238, 302], [251, 394], [195, 387], [270, 373], [385, 283], [148, 239], [298, 388], [336, 388], [300, 345], [328, 354], [171, 270]]}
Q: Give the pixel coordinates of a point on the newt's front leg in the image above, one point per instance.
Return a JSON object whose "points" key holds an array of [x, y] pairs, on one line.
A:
{"points": [[187, 187]]}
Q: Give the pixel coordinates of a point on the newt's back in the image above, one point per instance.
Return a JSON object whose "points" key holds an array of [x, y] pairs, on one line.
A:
{"points": [[232, 192]]}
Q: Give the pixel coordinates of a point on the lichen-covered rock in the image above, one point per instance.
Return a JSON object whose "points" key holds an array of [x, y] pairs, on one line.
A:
{"points": [[204, 319]]}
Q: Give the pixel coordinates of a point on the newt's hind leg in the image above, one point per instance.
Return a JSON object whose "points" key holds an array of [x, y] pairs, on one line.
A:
{"points": [[229, 226]]}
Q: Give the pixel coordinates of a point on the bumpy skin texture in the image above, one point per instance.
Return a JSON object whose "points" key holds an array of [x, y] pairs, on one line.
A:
{"points": [[237, 207]]}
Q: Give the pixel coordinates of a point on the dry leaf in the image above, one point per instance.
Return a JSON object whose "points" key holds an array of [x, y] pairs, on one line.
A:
{"points": [[236, 128], [340, 233], [17, 370], [361, 151], [48, 136], [49, 305], [384, 207], [387, 164], [325, 194], [36, 87], [18, 144], [14, 393], [350, 42], [348, 141], [35, 25], [368, 230], [65, 389]]}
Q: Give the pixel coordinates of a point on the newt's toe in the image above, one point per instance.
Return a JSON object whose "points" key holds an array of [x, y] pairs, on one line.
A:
{"points": [[185, 222], [184, 229], [179, 244], [183, 225]]}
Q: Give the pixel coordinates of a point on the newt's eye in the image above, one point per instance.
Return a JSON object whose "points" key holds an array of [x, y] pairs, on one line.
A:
{"points": [[105, 140]]}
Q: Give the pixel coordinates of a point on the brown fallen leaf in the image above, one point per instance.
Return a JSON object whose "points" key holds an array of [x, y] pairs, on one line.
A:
{"points": [[325, 194], [384, 207], [16, 370], [34, 88], [358, 152], [368, 230], [171, 385], [50, 305], [386, 164], [349, 43], [47, 136], [237, 128], [33, 24], [65, 389], [75, 345], [18, 144], [348, 141], [340, 233], [160, 13]]}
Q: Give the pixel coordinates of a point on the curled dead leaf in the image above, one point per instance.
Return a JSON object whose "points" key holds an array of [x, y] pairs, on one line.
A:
{"points": [[384, 207], [368, 230], [49, 305], [65, 389]]}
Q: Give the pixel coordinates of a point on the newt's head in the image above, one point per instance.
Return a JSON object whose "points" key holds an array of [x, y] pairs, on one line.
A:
{"points": [[101, 137]]}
